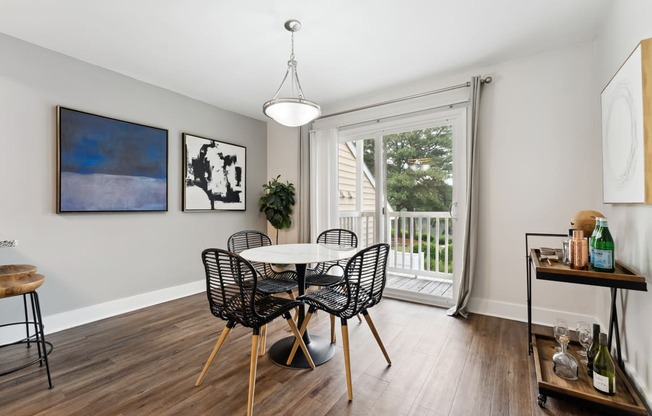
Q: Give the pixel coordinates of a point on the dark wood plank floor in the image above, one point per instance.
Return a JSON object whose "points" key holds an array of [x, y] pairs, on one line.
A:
{"points": [[146, 363]]}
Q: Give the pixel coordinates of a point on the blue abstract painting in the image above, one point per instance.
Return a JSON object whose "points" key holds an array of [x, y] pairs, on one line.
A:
{"points": [[107, 165]]}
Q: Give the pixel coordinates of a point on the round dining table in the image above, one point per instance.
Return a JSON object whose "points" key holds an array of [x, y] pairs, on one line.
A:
{"points": [[321, 349]]}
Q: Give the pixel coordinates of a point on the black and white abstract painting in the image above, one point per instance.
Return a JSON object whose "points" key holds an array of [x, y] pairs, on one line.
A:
{"points": [[214, 174], [623, 163]]}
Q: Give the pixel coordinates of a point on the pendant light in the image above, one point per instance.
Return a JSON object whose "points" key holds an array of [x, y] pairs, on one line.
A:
{"points": [[296, 110]]}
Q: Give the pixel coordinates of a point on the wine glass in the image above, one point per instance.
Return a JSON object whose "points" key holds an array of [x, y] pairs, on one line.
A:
{"points": [[580, 327], [560, 328], [586, 339]]}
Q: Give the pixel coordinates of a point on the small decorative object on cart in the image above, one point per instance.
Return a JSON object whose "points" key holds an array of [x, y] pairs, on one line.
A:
{"points": [[564, 364]]}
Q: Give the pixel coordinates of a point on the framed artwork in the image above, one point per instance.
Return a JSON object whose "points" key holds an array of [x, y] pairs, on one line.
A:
{"points": [[214, 175], [627, 130], [109, 165]]}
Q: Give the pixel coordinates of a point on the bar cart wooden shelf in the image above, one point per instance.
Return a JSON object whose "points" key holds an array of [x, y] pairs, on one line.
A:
{"points": [[626, 401]]}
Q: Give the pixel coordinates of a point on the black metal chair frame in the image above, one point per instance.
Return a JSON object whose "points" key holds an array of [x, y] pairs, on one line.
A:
{"points": [[231, 287], [364, 280]]}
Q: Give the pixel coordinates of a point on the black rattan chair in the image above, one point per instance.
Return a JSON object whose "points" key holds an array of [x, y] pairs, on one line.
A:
{"points": [[231, 286], [270, 281], [322, 274], [319, 275], [362, 288]]}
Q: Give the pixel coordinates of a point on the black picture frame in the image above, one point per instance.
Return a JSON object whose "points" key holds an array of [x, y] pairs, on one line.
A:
{"points": [[214, 175], [109, 165]]}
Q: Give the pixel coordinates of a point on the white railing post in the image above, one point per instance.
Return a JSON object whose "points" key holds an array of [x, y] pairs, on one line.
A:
{"points": [[419, 261]]}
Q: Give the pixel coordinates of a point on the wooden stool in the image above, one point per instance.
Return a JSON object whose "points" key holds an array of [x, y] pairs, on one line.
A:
{"points": [[22, 279]]}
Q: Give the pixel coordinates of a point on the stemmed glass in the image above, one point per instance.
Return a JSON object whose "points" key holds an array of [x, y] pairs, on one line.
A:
{"points": [[585, 337], [560, 329]]}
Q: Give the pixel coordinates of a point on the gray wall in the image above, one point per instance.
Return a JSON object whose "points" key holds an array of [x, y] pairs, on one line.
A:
{"points": [[537, 145], [627, 24], [92, 259]]}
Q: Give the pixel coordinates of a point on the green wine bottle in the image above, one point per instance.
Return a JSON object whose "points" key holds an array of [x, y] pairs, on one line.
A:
{"points": [[604, 369], [603, 253], [594, 235], [593, 351]]}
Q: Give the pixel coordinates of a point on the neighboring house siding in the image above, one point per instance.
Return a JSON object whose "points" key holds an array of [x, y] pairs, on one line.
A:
{"points": [[347, 193], [347, 180]]}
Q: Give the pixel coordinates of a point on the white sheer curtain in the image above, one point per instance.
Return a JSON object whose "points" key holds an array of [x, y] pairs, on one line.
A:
{"points": [[323, 181], [470, 236], [303, 186]]}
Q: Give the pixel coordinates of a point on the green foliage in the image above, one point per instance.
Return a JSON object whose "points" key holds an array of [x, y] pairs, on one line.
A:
{"points": [[277, 202], [427, 187], [433, 255]]}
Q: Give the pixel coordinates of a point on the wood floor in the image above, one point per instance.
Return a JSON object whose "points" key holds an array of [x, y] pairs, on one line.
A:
{"points": [[146, 363]]}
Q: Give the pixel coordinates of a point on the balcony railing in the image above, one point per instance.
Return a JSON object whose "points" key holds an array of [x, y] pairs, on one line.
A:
{"points": [[420, 242]]}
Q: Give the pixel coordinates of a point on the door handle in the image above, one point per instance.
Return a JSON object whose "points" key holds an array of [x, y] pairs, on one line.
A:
{"points": [[450, 210]]}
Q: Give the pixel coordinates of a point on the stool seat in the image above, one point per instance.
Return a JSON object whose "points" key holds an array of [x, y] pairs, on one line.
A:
{"points": [[19, 285], [16, 270]]}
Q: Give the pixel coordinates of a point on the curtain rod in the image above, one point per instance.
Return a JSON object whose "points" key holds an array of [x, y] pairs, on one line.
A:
{"points": [[487, 80], [411, 113]]}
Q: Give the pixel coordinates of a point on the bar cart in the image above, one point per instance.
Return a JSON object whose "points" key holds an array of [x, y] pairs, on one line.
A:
{"points": [[542, 344]]}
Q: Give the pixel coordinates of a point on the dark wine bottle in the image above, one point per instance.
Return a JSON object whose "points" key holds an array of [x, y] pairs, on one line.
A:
{"points": [[593, 351], [604, 369]]}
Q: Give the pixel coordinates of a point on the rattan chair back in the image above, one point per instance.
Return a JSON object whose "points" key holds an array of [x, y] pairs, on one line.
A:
{"points": [[231, 288], [365, 277], [336, 236], [244, 240]]}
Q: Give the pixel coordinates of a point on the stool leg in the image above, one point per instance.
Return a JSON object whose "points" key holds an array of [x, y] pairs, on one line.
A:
{"points": [[37, 333], [39, 318], [27, 321]]}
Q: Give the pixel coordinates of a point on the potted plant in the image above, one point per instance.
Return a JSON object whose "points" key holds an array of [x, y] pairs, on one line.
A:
{"points": [[277, 202]]}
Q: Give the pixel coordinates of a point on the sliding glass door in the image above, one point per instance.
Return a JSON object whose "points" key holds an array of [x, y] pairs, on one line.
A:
{"points": [[402, 183]]}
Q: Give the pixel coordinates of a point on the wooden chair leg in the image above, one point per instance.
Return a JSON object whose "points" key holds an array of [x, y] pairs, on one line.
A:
{"points": [[333, 340], [263, 339], [347, 358], [302, 344], [359, 319], [217, 347], [252, 372], [296, 310], [301, 332], [380, 343]]}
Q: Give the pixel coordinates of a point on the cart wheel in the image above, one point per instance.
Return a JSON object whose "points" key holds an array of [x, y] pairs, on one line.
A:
{"points": [[541, 400]]}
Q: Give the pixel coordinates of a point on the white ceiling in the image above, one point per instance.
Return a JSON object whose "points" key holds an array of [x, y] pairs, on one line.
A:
{"points": [[233, 54]]}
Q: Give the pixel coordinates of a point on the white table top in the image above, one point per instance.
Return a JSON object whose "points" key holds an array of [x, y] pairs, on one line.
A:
{"points": [[298, 253]]}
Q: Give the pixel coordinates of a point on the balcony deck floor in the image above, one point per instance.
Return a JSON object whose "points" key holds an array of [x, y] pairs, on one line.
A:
{"points": [[425, 286]]}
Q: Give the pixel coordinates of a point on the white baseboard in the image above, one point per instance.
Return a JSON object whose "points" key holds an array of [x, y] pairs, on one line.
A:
{"points": [[639, 384], [70, 319], [518, 312], [65, 320]]}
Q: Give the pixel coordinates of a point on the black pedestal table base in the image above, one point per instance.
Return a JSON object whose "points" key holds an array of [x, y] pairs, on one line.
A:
{"points": [[321, 350]]}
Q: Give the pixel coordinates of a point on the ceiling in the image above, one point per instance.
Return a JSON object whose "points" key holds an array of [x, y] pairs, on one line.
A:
{"points": [[233, 54]]}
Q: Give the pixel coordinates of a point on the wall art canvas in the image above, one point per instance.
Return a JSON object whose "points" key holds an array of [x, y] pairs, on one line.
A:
{"points": [[109, 165], [214, 175], [627, 130]]}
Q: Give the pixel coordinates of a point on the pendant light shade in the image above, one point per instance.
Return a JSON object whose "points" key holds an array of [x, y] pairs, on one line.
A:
{"points": [[293, 111]]}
